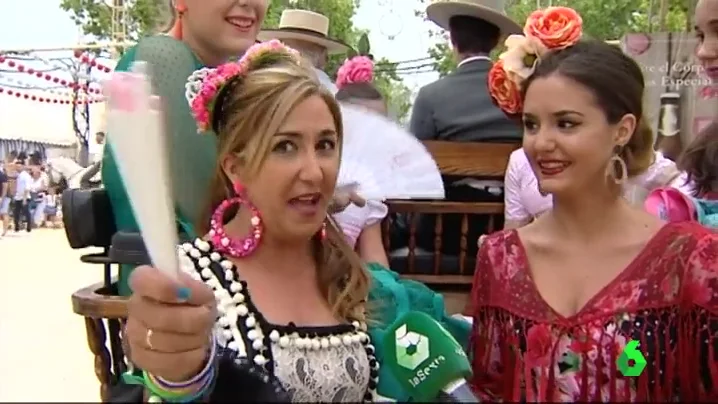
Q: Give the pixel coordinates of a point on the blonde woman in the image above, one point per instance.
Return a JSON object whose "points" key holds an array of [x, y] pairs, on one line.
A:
{"points": [[201, 33], [291, 294]]}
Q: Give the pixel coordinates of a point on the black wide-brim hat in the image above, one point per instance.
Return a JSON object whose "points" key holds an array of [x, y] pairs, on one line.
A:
{"points": [[491, 11]]}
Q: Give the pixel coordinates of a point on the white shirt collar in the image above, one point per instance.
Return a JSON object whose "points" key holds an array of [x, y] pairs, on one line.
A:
{"points": [[473, 58]]}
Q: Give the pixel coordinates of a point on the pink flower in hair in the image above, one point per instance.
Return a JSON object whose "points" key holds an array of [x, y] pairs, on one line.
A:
{"points": [[359, 69], [202, 105]]}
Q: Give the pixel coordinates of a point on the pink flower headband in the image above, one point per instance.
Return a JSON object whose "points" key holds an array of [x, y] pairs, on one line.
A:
{"points": [[359, 69], [549, 29], [204, 87]]}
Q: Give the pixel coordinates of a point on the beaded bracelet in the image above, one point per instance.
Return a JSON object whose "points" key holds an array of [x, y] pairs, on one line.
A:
{"points": [[161, 394], [185, 391], [198, 379]]}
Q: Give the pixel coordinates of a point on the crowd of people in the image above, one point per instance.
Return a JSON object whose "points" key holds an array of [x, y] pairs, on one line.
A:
{"points": [[28, 199], [292, 281]]}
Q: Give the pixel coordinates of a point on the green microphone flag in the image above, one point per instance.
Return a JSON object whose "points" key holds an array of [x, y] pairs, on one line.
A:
{"points": [[423, 356]]}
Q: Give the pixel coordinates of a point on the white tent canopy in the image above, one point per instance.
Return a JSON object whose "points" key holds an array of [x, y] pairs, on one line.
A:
{"points": [[49, 124]]}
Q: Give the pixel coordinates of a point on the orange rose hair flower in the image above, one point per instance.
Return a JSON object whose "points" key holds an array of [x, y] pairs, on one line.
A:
{"points": [[555, 27], [549, 29], [504, 91]]}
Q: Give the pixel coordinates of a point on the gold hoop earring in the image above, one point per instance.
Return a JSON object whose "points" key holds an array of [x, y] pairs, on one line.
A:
{"points": [[615, 163]]}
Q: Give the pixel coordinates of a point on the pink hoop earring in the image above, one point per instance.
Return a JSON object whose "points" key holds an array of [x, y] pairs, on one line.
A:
{"points": [[235, 247], [238, 189]]}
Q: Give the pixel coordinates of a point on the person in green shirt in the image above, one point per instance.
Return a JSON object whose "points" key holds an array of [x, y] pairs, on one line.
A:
{"points": [[203, 33]]}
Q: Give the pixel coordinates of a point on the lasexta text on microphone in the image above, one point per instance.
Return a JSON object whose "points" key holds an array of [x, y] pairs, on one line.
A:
{"points": [[426, 360]]}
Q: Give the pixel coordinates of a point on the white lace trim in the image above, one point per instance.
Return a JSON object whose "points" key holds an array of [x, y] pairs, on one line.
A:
{"points": [[334, 374]]}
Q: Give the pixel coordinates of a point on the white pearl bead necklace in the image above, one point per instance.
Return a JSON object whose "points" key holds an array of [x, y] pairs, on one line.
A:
{"points": [[233, 310]]}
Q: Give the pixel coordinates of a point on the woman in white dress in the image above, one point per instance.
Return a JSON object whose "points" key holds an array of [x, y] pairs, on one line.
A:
{"points": [[362, 224]]}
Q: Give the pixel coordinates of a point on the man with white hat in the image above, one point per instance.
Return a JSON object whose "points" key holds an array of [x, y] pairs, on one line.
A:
{"points": [[308, 32], [458, 107]]}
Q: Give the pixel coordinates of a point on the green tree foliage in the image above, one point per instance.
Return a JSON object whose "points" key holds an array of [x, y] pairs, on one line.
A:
{"points": [[340, 13], [601, 20], [145, 17], [94, 17]]}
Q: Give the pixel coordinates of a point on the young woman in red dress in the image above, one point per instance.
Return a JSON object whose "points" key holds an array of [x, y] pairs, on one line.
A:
{"points": [[554, 303]]}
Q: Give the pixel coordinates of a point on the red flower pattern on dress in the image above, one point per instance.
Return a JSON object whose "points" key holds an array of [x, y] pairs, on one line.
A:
{"points": [[625, 294], [539, 341], [666, 299], [583, 344]]}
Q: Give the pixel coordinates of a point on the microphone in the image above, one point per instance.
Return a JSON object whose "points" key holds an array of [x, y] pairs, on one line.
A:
{"points": [[427, 361]]}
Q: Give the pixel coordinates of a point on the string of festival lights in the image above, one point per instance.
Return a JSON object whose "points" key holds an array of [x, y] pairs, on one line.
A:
{"points": [[69, 92], [45, 99], [10, 82], [86, 59], [74, 92], [23, 68]]}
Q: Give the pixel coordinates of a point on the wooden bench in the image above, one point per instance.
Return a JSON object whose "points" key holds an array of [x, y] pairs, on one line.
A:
{"points": [[104, 312], [450, 275]]}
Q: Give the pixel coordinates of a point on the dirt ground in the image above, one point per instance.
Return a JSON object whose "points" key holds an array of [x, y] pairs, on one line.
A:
{"points": [[43, 349]]}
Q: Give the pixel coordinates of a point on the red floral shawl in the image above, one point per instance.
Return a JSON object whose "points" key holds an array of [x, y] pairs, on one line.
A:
{"points": [[667, 299]]}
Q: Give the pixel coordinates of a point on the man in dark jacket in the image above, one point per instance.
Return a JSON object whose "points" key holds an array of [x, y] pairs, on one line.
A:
{"points": [[459, 108]]}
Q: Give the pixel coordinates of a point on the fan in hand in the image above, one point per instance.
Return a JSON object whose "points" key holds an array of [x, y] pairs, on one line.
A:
{"points": [[137, 136], [384, 160]]}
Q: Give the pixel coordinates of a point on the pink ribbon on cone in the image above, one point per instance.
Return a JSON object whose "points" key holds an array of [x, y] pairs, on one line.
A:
{"points": [[122, 91]]}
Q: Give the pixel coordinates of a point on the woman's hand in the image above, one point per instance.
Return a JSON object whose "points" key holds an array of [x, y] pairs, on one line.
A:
{"points": [[342, 199], [169, 324]]}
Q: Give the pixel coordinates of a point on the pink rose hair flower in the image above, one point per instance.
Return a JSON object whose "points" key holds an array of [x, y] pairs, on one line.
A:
{"points": [[211, 81], [359, 69]]}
